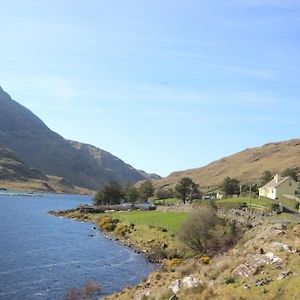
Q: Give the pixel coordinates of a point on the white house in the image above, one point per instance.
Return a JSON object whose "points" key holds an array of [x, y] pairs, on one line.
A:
{"points": [[279, 186], [214, 194]]}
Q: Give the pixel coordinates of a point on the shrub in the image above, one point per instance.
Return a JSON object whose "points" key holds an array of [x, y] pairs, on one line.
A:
{"points": [[197, 230], [164, 193], [173, 262], [204, 260], [157, 254], [229, 280], [274, 207], [122, 229], [204, 232], [108, 223]]}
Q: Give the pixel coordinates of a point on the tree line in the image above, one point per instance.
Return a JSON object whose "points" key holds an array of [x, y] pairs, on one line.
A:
{"points": [[186, 189], [114, 193]]}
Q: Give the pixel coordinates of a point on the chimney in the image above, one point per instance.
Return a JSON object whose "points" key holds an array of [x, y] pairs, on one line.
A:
{"points": [[276, 177]]}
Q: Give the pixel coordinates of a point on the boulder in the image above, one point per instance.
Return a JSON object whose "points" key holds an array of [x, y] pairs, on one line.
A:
{"points": [[243, 270], [281, 247], [185, 283], [175, 286], [190, 281], [256, 261]]}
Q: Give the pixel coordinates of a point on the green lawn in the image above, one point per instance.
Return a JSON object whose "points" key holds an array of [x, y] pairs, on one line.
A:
{"points": [[169, 201], [169, 220], [289, 204], [263, 203]]}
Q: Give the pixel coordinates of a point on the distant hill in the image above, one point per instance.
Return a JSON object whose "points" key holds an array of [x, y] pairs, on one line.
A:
{"points": [[14, 174], [40, 148], [247, 166]]}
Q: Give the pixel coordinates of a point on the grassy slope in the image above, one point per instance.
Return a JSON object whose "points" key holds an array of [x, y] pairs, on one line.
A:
{"points": [[212, 275], [246, 166]]}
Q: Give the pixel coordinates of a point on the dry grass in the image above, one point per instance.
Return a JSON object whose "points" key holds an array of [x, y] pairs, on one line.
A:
{"points": [[219, 282], [247, 166]]}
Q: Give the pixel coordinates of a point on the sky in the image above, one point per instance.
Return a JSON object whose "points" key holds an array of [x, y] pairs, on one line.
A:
{"points": [[165, 85]]}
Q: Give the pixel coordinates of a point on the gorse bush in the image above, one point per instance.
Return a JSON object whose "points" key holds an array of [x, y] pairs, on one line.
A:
{"points": [[122, 229], [204, 260], [108, 223]]}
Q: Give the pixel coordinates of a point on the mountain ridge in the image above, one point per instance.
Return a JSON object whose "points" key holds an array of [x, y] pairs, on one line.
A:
{"points": [[246, 165], [16, 175], [43, 149]]}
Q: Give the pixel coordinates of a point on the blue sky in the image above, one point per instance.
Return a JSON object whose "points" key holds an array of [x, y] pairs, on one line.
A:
{"points": [[164, 85]]}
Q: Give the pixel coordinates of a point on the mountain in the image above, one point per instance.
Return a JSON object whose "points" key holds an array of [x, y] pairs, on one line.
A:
{"points": [[41, 148], [247, 166], [12, 168], [16, 175]]}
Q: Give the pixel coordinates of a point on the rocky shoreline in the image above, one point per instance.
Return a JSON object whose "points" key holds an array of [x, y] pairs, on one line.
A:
{"points": [[264, 263], [84, 214]]}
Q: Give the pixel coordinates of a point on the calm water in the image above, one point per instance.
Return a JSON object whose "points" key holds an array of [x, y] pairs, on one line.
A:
{"points": [[42, 256]]}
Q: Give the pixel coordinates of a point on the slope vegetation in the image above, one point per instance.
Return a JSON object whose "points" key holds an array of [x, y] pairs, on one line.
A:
{"points": [[246, 166]]}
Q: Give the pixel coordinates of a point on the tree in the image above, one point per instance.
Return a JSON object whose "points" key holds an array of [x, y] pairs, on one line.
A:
{"points": [[265, 177], [187, 189], [230, 186], [146, 190], [131, 194], [164, 193], [290, 172], [110, 194], [245, 188]]}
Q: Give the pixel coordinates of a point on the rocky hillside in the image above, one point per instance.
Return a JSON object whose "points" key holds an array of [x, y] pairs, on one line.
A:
{"points": [[262, 265], [12, 168], [16, 175], [246, 166], [42, 149]]}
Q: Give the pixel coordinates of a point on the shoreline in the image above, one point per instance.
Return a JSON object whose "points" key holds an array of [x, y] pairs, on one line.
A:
{"points": [[263, 262], [38, 186], [126, 242]]}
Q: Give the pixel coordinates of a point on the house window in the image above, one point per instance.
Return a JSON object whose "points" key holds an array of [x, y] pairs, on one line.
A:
{"points": [[290, 183]]}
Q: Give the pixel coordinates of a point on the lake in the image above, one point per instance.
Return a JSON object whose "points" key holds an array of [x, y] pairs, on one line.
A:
{"points": [[43, 257]]}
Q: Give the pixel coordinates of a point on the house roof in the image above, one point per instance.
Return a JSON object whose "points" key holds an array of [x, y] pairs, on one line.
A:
{"points": [[274, 184]]}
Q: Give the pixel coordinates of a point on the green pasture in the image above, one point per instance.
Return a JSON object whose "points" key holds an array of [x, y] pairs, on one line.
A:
{"points": [[262, 203], [168, 220], [169, 201]]}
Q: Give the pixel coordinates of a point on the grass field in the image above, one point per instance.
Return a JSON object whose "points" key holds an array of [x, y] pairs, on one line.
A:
{"points": [[169, 220], [169, 201], [289, 203], [262, 203]]}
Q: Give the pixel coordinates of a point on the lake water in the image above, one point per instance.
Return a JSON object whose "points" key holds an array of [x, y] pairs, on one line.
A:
{"points": [[42, 256]]}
